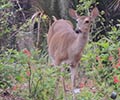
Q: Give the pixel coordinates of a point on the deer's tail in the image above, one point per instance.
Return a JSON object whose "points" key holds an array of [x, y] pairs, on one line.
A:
{"points": [[54, 18]]}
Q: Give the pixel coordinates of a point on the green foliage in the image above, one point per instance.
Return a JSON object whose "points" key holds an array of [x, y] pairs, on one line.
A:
{"points": [[27, 75], [84, 6], [4, 4], [101, 61], [4, 13]]}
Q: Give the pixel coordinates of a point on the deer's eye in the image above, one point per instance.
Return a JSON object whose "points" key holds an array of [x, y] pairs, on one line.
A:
{"points": [[87, 21]]}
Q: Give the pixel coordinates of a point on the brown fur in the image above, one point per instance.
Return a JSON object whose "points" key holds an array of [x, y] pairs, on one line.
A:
{"points": [[61, 43], [64, 45]]}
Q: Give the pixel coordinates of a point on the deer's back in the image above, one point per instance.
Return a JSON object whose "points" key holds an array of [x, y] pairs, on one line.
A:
{"points": [[61, 36], [59, 27]]}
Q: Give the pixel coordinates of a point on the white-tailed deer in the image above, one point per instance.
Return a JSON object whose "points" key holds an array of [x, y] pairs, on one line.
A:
{"points": [[65, 45]]}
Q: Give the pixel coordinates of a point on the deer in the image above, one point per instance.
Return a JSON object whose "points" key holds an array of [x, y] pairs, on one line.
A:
{"points": [[66, 44]]}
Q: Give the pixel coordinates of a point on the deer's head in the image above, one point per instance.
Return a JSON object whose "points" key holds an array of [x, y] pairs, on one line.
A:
{"points": [[84, 22]]}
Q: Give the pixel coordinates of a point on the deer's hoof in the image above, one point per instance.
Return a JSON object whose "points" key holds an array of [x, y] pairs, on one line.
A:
{"points": [[77, 90]]}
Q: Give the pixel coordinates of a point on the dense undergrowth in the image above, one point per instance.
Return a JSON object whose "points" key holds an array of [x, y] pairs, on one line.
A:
{"points": [[28, 74]]}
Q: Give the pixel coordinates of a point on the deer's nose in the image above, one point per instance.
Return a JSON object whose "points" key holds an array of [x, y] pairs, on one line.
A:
{"points": [[78, 31]]}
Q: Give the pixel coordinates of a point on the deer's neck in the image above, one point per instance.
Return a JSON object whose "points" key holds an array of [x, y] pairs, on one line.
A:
{"points": [[80, 42], [82, 39]]}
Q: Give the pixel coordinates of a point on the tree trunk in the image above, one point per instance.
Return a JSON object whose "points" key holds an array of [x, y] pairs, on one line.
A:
{"points": [[58, 8]]}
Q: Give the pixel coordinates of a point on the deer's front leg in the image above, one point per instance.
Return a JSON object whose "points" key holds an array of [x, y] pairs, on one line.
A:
{"points": [[73, 74]]}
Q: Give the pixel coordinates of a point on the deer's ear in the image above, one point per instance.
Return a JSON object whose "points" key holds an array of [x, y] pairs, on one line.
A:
{"points": [[73, 14], [94, 13]]}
